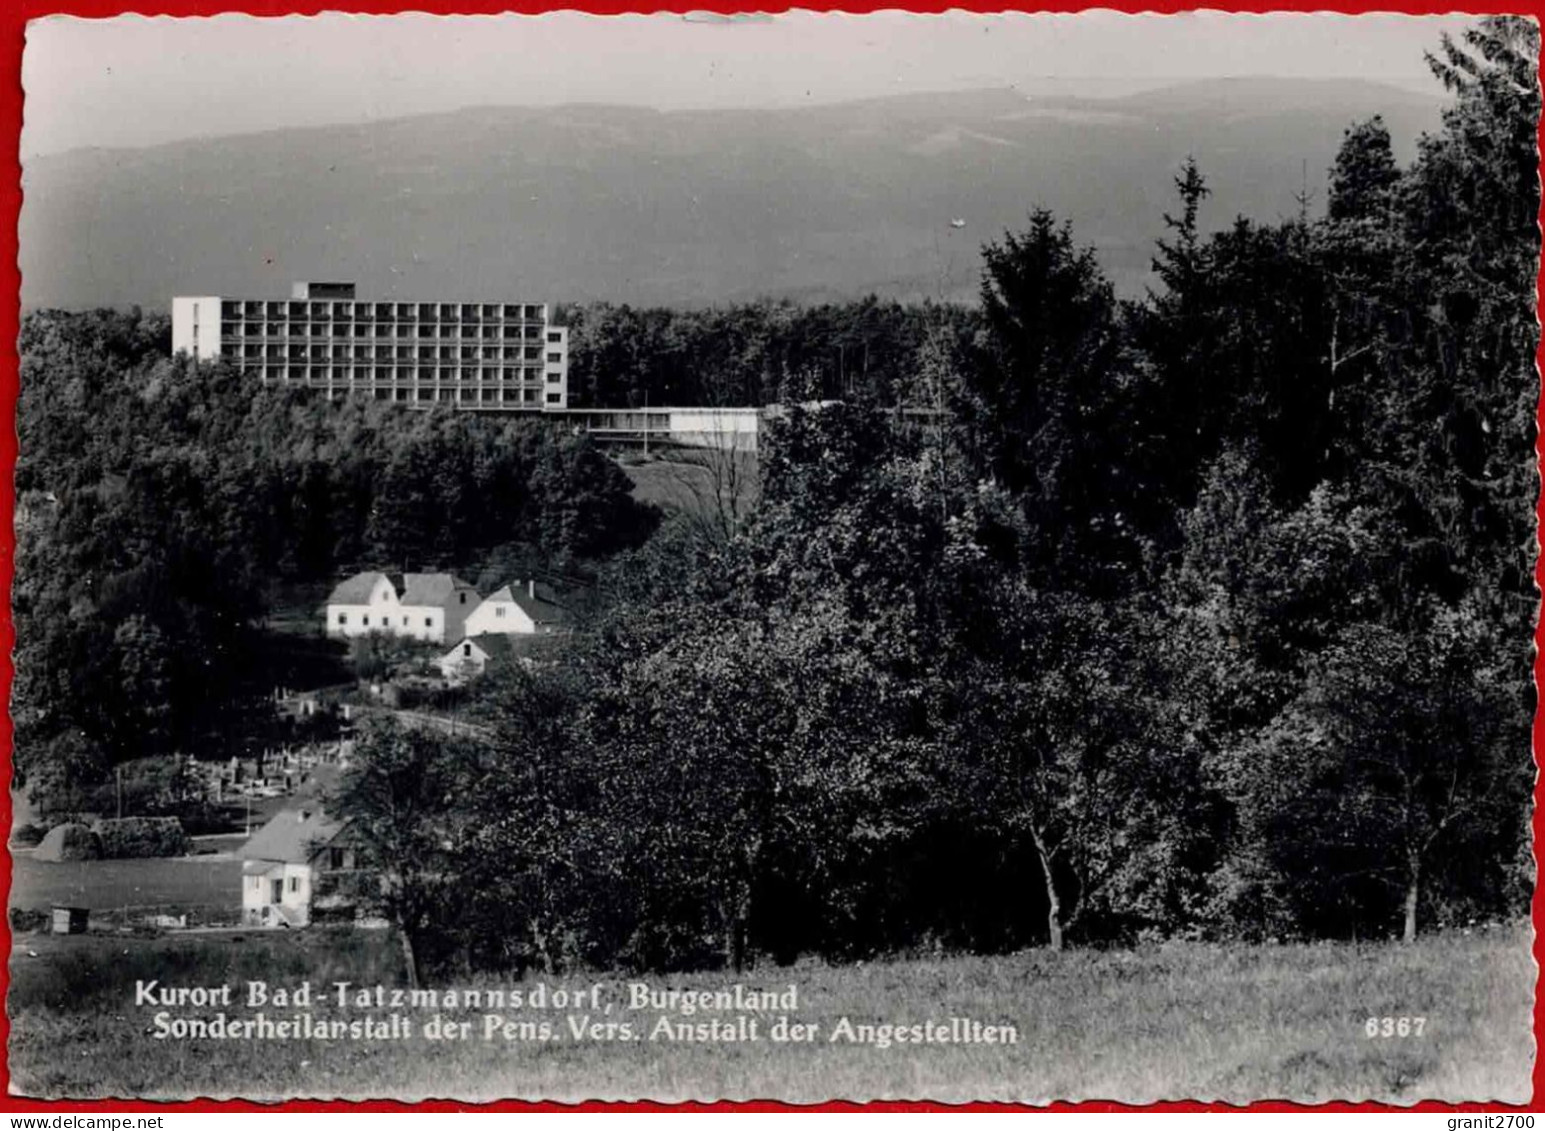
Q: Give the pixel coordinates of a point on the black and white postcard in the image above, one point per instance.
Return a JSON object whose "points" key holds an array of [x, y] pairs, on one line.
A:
{"points": [[804, 557]]}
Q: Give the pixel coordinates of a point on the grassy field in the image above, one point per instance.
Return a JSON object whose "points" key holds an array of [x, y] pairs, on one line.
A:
{"points": [[669, 485], [688, 480], [1171, 1022], [104, 885]]}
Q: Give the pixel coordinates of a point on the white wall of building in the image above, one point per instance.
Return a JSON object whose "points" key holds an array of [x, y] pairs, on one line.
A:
{"points": [[728, 429], [196, 326], [555, 367], [380, 615], [421, 622], [465, 661], [493, 618], [294, 880], [350, 621]]}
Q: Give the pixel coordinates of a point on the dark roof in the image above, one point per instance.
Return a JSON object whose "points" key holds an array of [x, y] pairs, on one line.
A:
{"points": [[356, 590], [292, 835], [538, 608], [495, 647], [505, 646], [435, 589]]}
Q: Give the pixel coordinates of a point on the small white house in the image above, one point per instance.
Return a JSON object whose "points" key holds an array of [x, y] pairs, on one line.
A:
{"points": [[516, 611], [283, 862], [471, 657]]}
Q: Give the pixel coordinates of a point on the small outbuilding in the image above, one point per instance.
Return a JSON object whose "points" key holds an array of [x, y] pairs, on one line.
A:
{"points": [[471, 657], [71, 920]]}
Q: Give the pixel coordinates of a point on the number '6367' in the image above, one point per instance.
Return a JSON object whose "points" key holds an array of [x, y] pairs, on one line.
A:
{"points": [[1394, 1027]]}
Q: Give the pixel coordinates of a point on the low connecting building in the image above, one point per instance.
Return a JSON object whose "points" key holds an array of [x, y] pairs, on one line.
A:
{"points": [[504, 356]]}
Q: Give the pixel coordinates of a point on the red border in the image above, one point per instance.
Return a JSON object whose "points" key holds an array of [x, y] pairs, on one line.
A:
{"points": [[13, 21]]}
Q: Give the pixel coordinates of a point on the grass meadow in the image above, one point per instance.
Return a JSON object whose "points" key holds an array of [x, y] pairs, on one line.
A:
{"points": [[1178, 1021], [693, 481], [107, 885]]}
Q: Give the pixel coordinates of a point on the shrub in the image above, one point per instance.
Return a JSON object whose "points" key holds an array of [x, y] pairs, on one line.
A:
{"points": [[378, 655], [87, 817], [422, 695], [160, 786], [70, 842], [329, 914], [26, 835], [136, 837], [25, 919]]}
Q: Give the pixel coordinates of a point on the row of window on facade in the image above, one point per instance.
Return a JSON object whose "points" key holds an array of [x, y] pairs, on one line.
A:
{"points": [[383, 390], [382, 311], [442, 375], [387, 353], [385, 622], [422, 394], [401, 330]]}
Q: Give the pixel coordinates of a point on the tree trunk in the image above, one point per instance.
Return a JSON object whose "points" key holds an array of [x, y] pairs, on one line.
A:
{"points": [[1413, 889], [1053, 904], [409, 958], [539, 943], [736, 917], [738, 945], [738, 936]]}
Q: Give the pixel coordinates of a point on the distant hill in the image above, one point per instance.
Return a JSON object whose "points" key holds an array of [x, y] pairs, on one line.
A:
{"points": [[585, 202]]}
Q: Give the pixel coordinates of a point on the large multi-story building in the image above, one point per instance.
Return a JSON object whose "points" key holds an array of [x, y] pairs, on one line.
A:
{"points": [[476, 355]]}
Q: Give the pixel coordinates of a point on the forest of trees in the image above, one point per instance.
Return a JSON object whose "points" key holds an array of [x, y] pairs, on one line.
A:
{"points": [[755, 353], [164, 510], [1208, 615]]}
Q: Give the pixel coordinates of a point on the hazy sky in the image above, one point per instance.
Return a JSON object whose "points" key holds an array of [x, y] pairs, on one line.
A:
{"points": [[132, 81]]}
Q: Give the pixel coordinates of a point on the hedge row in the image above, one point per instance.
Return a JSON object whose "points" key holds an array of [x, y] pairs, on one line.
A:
{"points": [[135, 837]]}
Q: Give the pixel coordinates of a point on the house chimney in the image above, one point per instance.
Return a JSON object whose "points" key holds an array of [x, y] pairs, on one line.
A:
{"points": [[531, 588]]}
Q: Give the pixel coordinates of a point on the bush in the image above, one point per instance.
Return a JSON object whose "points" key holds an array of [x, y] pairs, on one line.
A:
{"points": [[26, 835], [378, 655], [25, 919], [136, 837], [87, 817], [422, 695], [161, 786], [70, 842], [332, 914]]}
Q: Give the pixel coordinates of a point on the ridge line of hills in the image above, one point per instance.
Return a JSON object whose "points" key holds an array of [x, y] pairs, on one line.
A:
{"points": [[589, 201]]}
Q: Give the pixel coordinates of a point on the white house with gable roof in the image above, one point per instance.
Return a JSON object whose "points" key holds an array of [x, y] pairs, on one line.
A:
{"points": [[283, 862], [475, 654], [424, 606], [516, 610], [365, 603]]}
